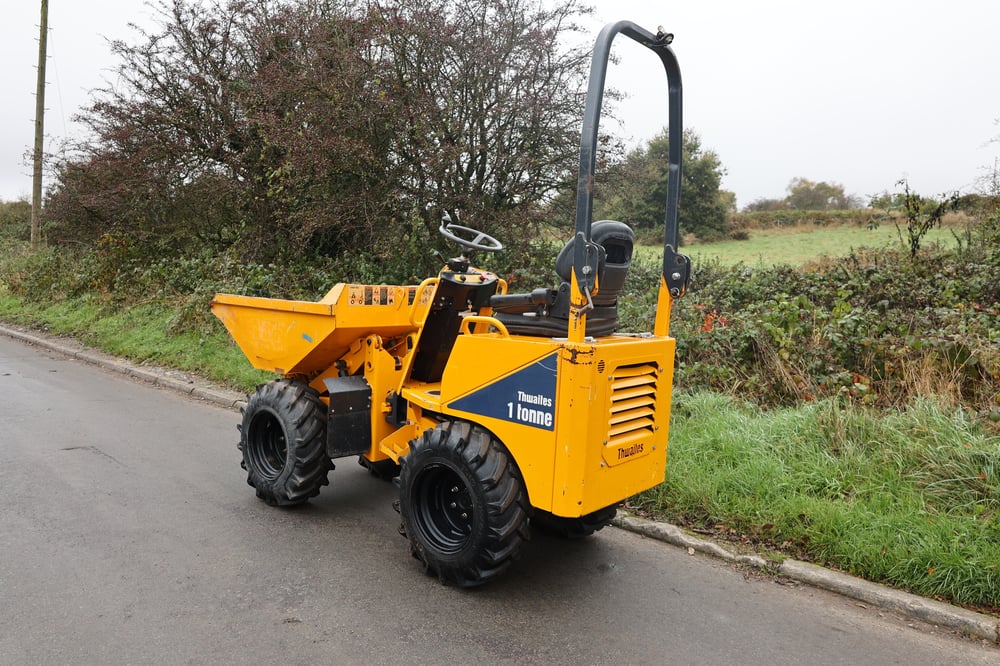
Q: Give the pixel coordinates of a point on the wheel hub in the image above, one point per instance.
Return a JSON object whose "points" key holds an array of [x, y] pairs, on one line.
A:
{"points": [[267, 446], [445, 513]]}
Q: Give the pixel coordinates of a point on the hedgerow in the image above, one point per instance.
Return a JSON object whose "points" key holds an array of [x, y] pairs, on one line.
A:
{"points": [[876, 327]]}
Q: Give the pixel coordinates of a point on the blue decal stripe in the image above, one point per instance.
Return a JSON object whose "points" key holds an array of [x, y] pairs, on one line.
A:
{"points": [[527, 397]]}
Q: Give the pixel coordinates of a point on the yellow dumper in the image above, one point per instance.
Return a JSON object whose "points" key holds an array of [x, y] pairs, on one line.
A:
{"points": [[497, 411]]}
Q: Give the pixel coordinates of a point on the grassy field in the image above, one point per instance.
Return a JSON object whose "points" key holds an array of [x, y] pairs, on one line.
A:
{"points": [[798, 245]]}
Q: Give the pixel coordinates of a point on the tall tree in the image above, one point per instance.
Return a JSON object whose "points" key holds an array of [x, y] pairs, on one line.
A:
{"points": [[171, 154], [635, 190], [490, 96], [316, 125]]}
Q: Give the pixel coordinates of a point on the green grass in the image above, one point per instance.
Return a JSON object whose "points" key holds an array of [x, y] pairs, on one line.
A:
{"points": [[796, 246], [909, 498]]}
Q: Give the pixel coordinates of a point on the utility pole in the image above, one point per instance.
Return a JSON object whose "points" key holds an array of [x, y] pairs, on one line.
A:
{"points": [[36, 181]]}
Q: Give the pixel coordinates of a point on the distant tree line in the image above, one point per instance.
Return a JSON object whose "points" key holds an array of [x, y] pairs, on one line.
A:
{"points": [[805, 194]]}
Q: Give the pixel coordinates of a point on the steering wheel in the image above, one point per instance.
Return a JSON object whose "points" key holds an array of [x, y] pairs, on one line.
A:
{"points": [[470, 239]]}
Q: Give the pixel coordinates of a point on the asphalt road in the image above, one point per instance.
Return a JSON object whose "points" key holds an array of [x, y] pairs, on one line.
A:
{"points": [[128, 535]]}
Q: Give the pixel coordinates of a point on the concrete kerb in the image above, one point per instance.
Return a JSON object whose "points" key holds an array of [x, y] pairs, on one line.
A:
{"points": [[934, 612]]}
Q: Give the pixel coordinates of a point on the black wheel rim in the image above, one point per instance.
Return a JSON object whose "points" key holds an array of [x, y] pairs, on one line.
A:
{"points": [[267, 447], [444, 508]]}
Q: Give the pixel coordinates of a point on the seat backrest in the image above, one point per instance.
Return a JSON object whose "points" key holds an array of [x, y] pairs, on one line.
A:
{"points": [[618, 241]]}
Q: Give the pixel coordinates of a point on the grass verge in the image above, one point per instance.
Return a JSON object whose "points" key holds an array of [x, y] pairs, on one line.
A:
{"points": [[910, 498], [141, 334]]}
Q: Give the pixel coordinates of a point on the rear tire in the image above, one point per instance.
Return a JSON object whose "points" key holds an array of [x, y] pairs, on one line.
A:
{"points": [[463, 504], [574, 528], [283, 440]]}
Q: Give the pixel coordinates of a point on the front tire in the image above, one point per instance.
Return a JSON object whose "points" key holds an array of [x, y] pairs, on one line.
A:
{"points": [[463, 504], [283, 440]]}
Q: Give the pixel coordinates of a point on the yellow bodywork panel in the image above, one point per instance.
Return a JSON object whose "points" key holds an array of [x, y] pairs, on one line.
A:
{"points": [[586, 422], [502, 382], [301, 338], [613, 417]]}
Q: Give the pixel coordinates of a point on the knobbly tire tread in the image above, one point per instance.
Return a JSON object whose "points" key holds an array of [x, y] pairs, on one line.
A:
{"points": [[574, 528], [296, 408], [496, 491]]}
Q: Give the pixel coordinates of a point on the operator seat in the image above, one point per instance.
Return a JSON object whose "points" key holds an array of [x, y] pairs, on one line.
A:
{"points": [[545, 312]]}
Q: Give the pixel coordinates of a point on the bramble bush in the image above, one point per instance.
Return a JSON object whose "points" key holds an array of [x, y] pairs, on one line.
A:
{"points": [[15, 220], [876, 327], [116, 272]]}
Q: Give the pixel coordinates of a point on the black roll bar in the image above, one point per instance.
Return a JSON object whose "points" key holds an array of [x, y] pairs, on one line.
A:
{"points": [[585, 257]]}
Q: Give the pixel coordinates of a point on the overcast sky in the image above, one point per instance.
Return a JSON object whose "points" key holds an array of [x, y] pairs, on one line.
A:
{"points": [[858, 92]]}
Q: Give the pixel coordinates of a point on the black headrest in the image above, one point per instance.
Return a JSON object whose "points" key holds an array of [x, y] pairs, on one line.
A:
{"points": [[616, 238]]}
